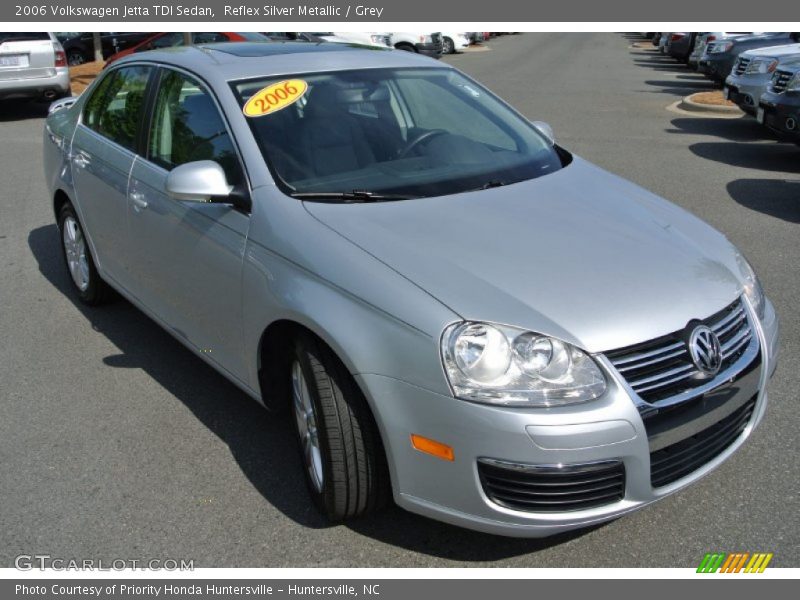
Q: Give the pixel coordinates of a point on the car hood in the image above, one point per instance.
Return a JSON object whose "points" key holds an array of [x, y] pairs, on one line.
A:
{"points": [[579, 254], [773, 51]]}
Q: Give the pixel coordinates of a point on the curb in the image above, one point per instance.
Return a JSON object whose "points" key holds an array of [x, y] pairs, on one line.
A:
{"points": [[688, 104]]}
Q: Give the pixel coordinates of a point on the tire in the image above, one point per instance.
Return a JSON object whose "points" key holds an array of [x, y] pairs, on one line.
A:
{"points": [[346, 471], [448, 46], [406, 47], [86, 282], [75, 58]]}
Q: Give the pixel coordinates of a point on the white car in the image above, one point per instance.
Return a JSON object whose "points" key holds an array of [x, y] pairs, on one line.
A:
{"points": [[365, 38], [429, 44], [33, 65], [454, 42]]}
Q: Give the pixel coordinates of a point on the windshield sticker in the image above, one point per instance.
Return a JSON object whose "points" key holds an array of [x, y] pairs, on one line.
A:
{"points": [[275, 97]]}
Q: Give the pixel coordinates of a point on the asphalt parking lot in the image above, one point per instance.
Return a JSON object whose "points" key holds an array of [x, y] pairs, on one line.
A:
{"points": [[116, 442]]}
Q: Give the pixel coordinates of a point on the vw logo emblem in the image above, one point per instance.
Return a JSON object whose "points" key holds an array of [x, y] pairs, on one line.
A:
{"points": [[705, 350]]}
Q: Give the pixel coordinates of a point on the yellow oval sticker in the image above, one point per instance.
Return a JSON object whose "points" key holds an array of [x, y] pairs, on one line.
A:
{"points": [[275, 97]]}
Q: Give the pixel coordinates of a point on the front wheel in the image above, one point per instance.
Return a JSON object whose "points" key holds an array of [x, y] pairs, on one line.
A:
{"points": [[91, 289], [448, 46], [343, 459]]}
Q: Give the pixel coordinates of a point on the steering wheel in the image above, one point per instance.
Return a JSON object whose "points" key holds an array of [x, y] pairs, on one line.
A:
{"points": [[422, 137]]}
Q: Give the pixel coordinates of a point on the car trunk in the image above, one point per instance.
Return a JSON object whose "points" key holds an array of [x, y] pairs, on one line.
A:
{"points": [[26, 56]]}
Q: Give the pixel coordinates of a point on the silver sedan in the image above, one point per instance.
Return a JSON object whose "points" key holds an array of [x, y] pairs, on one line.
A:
{"points": [[457, 312]]}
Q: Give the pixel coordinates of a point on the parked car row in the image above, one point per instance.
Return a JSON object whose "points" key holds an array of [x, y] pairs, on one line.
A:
{"points": [[433, 44], [758, 71], [36, 65], [79, 46]]}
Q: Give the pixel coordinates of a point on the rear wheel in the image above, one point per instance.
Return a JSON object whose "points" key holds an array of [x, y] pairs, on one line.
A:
{"points": [[91, 289], [343, 459]]}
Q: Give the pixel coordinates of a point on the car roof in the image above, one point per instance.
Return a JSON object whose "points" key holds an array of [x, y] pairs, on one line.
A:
{"points": [[230, 61]]}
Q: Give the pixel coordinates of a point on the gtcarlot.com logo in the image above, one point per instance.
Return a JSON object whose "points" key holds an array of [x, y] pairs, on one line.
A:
{"points": [[736, 562], [42, 562]]}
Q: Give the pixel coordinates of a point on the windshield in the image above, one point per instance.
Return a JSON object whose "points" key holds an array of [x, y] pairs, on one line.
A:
{"points": [[390, 132]]}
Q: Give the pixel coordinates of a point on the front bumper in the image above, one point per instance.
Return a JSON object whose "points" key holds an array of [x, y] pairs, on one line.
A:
{"points": [[432, 49], [745, 91], [717, 66], [782, 115], [608, 429], [54, 83]]}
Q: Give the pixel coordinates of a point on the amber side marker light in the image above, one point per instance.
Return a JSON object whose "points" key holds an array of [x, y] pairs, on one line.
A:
{"points": [[432, 447]]}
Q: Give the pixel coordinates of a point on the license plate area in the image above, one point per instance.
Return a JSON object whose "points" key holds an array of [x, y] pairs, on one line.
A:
{"points": [[13, 60]]}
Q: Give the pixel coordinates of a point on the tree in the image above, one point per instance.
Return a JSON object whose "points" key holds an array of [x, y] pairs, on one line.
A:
{"points": [[98, 46]]}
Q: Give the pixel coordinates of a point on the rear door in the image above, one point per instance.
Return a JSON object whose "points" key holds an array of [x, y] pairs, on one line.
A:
{"points": [[25, 55], [103, 151]]}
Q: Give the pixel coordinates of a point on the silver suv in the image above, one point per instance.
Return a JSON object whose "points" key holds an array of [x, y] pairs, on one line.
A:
{"points": [[33, 65], [752, 72], [455, 310]]}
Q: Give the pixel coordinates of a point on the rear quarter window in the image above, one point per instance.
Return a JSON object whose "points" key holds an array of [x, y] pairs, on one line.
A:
{"points": [[115, 109]]}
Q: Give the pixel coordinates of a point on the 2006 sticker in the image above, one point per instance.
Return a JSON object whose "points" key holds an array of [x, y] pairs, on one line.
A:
{"points": [[275, 97]]}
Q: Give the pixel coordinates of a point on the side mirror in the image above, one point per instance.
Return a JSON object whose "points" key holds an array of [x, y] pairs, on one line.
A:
{"points": [[545, 130], [199, 181]]}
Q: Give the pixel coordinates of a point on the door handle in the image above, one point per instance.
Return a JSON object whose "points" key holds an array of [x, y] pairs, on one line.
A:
{"points": [[81, 159], [138, 200]]}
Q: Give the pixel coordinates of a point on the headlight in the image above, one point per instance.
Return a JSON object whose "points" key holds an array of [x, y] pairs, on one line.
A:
{"points": [[719, 47], [425, 39], [497, 364], [762, 66], [752, 286]]}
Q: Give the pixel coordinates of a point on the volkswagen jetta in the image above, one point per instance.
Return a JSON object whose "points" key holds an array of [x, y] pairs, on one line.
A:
{"points": [[459, 313]]}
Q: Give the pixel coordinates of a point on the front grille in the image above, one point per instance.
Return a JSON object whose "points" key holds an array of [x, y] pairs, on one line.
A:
{"points": [[741, 65], [780, 80], [535, 488], [678, 460], [663, 368]]}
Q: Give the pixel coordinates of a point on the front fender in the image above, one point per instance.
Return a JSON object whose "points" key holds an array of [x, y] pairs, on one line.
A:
{"points": [[376, 321]]}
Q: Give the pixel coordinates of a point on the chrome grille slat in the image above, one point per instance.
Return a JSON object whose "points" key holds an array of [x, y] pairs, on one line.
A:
{"points": [[741, 65], [743, 333], [780, 81], [663, 369], [736, 315], [733, 347], [654, 361], [666, 382], [664, 374], [644, 355]]}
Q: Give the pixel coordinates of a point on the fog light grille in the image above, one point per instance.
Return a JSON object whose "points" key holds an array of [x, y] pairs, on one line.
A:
{"points": [[537, 488]]}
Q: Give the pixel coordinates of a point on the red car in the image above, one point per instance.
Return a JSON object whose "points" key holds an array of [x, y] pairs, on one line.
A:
{"points": [[168, 39]]}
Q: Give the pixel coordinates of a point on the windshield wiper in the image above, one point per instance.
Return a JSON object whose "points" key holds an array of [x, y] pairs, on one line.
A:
{"points": [[492, 184], [354, 196]]}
